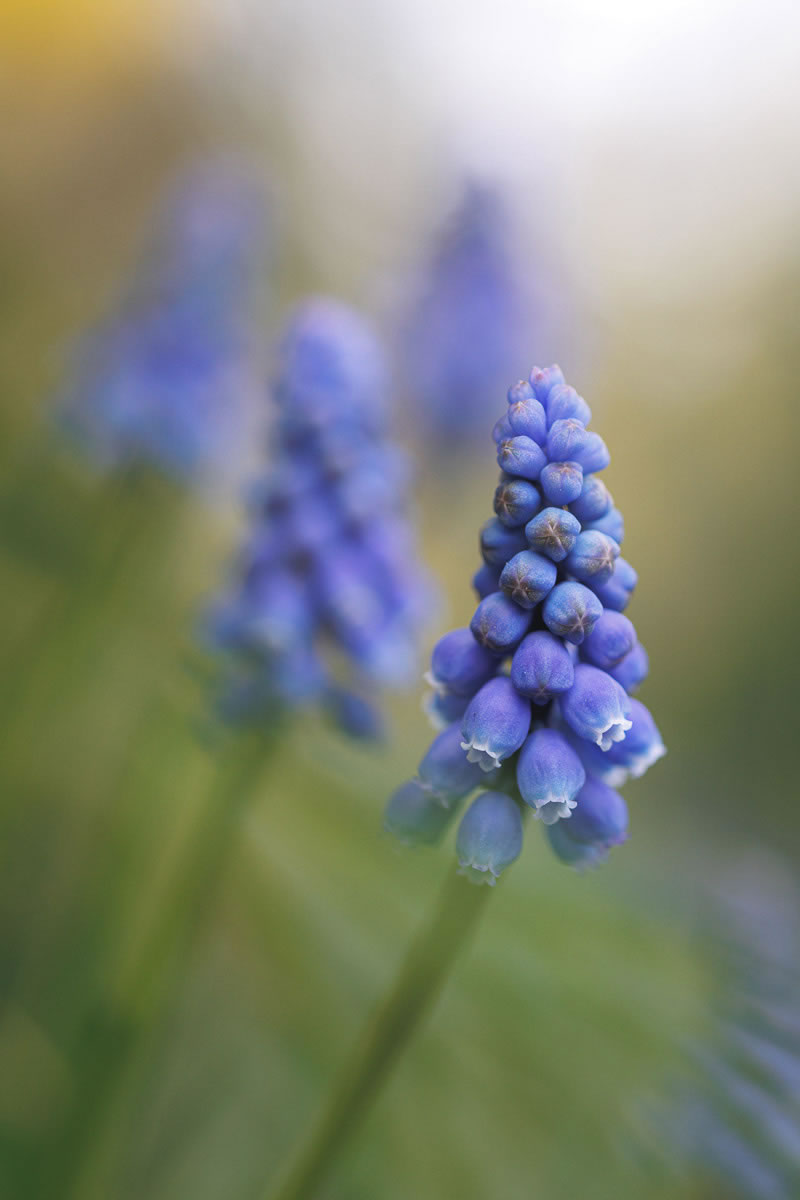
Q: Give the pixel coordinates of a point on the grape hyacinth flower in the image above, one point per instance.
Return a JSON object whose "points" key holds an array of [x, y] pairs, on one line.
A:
{"points": [[467, 324], [168, 380], [327, 597], [732, 1113], [538, 689]]}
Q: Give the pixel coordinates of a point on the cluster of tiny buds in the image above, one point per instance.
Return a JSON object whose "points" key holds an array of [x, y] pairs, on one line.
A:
{"points": [[327, 596], [167, 379], [534, 700]]}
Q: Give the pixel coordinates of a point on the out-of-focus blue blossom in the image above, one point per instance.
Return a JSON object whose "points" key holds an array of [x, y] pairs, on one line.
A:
{"points": [[555, 723], [415, 816], [467, 324], [328, 589], [734, 1117], [168, 380]]}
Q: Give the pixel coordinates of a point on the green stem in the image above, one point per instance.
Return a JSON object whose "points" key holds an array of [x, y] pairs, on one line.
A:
{"points": [[118, 1028], [420, 979]]}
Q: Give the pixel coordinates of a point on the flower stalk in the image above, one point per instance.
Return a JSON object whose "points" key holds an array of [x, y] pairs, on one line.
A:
{"points": [[419, 981]]}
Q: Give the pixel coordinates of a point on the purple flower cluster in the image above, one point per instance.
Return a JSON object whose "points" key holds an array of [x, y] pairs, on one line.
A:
{"points": [[167, 379], [327, 597], [467, 324], [534, 698]]}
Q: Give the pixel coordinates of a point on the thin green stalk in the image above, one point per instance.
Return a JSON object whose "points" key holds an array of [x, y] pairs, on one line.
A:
{"points": [[418, 983], [119, 1026]]}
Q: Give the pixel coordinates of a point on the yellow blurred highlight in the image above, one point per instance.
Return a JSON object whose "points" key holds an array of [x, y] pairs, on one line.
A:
{"points": [[85, 36]]}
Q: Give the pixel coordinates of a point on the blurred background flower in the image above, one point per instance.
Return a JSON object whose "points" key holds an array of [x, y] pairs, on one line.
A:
{"points": [[645, 158]]}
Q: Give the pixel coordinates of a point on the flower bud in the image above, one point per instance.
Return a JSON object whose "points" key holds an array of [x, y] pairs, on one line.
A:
{"points": [[489, 837], [516, 501], [563, 403], [459, 664], [593, 455], [561, 482], [611, 523], [541, 667], [579, 855], [566, 440], [354, 714], [596, 707], [616, 592], [521, 390], [499, 543], [495, 724], [415, 816], [502, 429], [527, 418], [594, 500], [486, 580], [521, 456], [442, 708], [600, 817], [528, 577], [642, 747], [277, 613], [445, 771], [612, 638], [543, 379], [499, 624], [553, 532], [549, 775], [571, 611], [631, 672], [592, 557]]}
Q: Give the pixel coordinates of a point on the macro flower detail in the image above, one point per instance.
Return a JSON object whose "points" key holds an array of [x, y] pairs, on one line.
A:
{"points": [[541, 695], [327, 597]]}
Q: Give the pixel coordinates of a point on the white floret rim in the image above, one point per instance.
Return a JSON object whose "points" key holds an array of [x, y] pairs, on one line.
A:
{"points": [[477, 752]]}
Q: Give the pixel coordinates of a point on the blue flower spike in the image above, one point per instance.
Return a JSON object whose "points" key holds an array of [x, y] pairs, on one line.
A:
{"points": [[328, 598], [538, 687]]}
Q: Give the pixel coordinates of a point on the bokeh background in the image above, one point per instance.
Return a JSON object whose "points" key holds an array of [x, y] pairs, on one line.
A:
{"points": [[646, 155]]}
